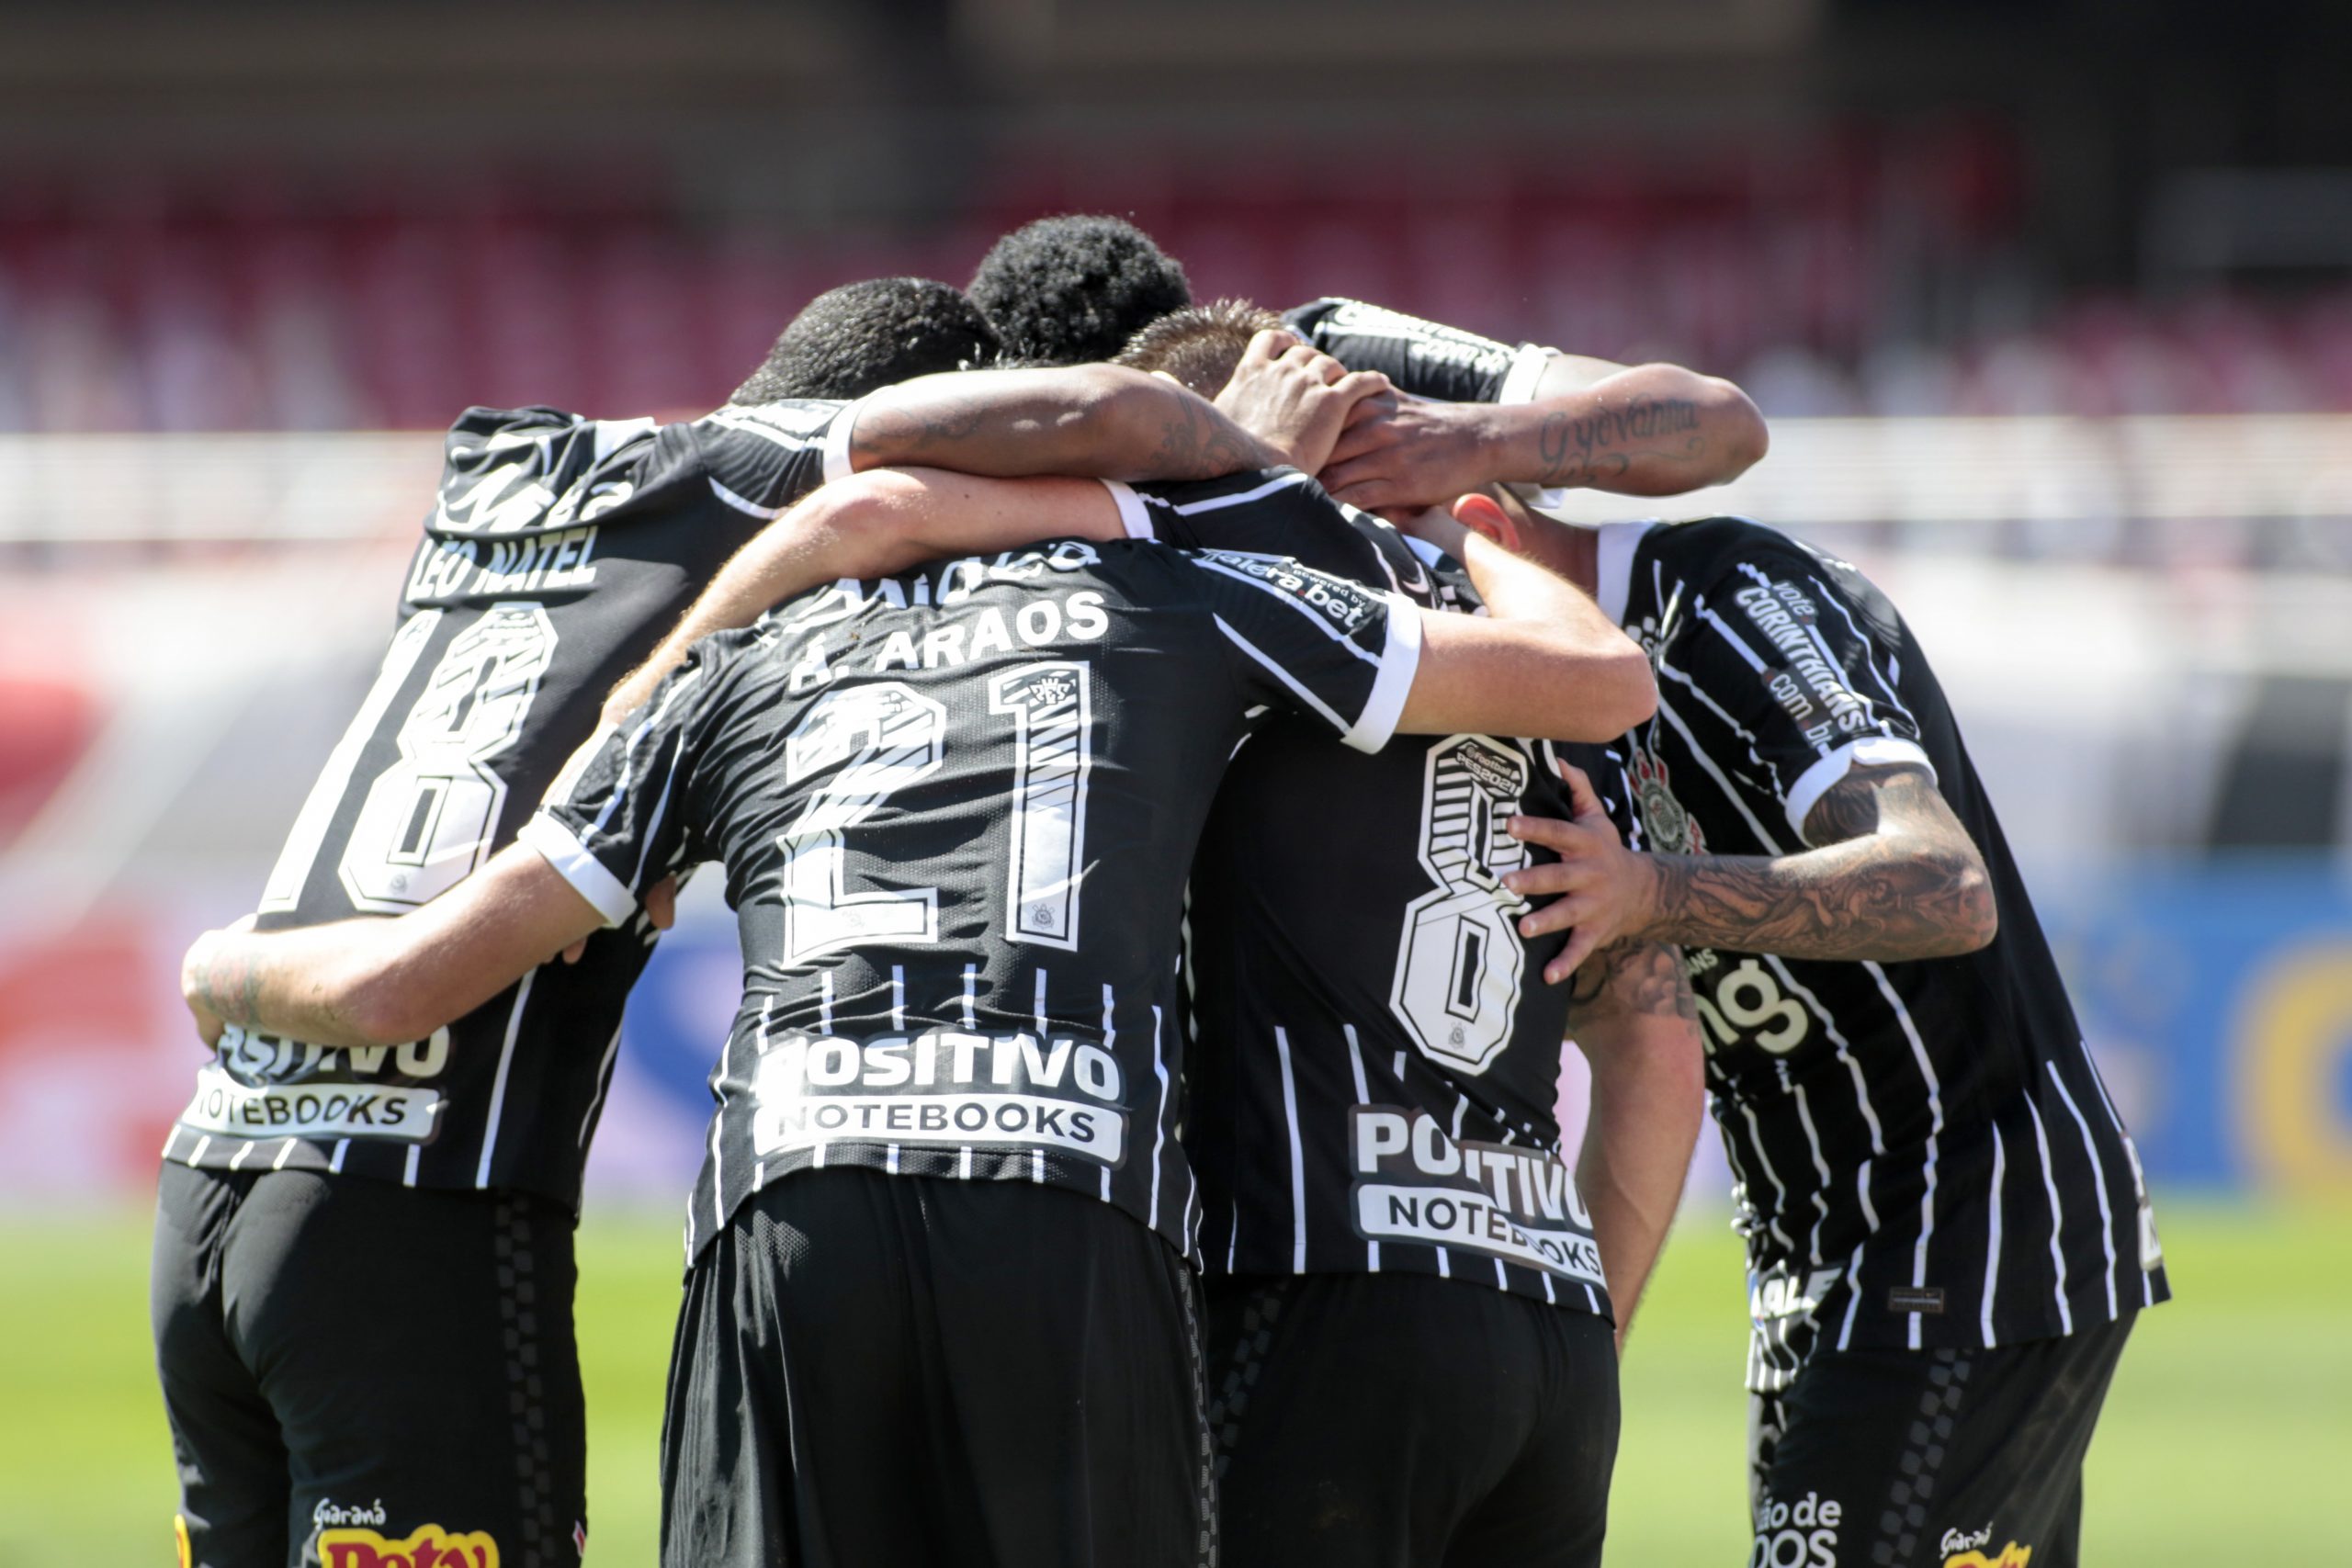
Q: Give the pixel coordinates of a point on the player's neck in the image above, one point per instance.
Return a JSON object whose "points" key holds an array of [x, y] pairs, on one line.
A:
{"points": [[1574, 553]]}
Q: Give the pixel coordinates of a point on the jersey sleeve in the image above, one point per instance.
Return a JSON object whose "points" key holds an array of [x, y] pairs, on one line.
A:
{"points": [[1804, 666], [761, 457], [1333, 651], [1282, 512], [623, 821], [1421, 357]]}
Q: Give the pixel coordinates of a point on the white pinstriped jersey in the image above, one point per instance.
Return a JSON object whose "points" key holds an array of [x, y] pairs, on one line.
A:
{"points": [[1377, 1056], [559, 550], [957, 811], [1923, 1153]]}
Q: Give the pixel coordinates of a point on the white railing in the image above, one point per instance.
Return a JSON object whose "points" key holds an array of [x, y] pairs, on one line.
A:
{"points": [[101, 490]]}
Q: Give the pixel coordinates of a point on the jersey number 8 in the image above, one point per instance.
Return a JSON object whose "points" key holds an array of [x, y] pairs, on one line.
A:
{"points": [[1460, 961]]}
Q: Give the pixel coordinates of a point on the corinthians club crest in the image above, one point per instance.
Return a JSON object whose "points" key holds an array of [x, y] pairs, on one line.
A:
{"points": [[1669, 827]]}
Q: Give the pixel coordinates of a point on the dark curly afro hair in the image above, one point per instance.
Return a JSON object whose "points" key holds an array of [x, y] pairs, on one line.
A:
{"points": [[1073, 289], [851, 339]]}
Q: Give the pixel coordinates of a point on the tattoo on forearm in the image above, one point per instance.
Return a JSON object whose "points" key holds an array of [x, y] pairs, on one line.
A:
{"points": [[904, 436], [1199, 445], [229, 985], [1866, 894], [1580, 449], [1645, 978]]}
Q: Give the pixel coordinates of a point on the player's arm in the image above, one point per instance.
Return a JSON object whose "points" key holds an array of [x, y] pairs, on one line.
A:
{"points": [[1632, 1018], [1544, 661], [1640, 429], [883, 522], [611, 833], [375, 982], [1097, 421], [1892, 875]]}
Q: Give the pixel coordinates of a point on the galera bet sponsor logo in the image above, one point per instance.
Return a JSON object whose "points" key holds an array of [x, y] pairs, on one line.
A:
{"points": [[1966, 1548], [429, 1547]]}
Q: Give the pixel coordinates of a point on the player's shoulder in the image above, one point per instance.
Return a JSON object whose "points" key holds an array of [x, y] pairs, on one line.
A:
{"points": [[1707, 550], [792, 423], [1729, 556], [1193, 498]]}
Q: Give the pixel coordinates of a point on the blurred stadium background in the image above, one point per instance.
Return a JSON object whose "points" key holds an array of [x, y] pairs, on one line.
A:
{"points": [[2050, 302]]}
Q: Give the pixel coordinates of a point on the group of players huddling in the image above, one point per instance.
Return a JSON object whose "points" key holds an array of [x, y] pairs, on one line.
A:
{"points": [[1164, 887]]}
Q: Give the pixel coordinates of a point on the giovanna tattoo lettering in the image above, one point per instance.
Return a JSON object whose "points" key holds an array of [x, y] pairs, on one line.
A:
{"points": [[1577, 449]]}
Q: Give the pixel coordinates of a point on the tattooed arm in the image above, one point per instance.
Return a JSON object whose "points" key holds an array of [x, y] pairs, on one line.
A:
{"points": [[1093, 420], [1648, 430], [1632, 1018], [1895, 876]]}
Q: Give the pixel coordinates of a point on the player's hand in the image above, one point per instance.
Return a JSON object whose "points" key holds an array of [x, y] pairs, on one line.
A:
{"points": [[661, 903], [198, 979], [1600, 890], [1412, 453], [1295, 399]]}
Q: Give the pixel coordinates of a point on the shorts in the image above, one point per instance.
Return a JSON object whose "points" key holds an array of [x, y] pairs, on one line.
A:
{"points": [[904, 1370], [1408, 1421], [1937, 1459], [354, 1369]]}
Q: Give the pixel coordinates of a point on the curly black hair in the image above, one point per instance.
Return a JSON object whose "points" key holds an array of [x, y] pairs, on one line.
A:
{"points": [[851, 339], [1073, 289]]}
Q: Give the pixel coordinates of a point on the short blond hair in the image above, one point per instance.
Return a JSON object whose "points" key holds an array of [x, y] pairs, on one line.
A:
{"points": [[1200, 344]]}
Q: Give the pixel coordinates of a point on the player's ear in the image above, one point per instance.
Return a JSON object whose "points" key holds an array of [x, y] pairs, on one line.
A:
{"points": [[1481, 514]]}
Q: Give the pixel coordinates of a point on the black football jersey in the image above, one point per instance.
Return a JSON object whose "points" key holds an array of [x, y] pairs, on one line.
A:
{"points": [[559, 550], [1377, 1057], [1924, 1154], [957, 811], [1423, 358]]}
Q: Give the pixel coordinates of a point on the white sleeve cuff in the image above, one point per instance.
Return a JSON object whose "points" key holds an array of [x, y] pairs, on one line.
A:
{"points": [[1133, 514], [564, 851], [1526, 373], [837, 438], [1399, 661], [1868, 751]]}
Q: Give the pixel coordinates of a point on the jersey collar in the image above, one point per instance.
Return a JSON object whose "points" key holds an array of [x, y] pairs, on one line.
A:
{"points": [[1614, 565]]}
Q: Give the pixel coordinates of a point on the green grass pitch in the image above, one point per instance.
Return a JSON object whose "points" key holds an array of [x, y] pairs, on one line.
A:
{"points": [[2228, 1438]]}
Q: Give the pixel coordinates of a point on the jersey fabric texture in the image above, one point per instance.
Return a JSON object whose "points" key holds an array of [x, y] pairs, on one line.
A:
{"points": [[301, 1443], [878, 1371], [559, 550], [957, 811], [1923, 1156], [1379, 1057], [1401, 1422], [1945, 1459]]}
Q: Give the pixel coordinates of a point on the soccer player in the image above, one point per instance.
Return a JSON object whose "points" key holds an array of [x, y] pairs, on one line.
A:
{"points": [[1069, 290], [363, 1272], [938, 1308], [1948, 1233], [1409, 1299]]}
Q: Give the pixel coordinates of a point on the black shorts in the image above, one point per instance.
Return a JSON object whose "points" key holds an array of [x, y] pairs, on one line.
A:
{"points": [[354, 1369], [1930, 1459], [899, 1370], [1407, 1420]]}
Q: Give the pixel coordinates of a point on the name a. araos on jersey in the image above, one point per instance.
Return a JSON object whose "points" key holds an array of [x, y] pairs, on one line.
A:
{"points": [[962, 633]]}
